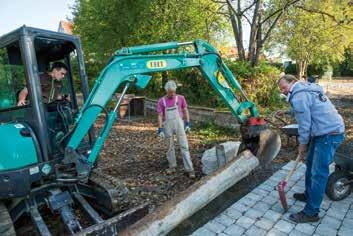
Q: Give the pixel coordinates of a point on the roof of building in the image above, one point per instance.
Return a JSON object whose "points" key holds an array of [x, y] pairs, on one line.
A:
{"points": [[66, 27]]}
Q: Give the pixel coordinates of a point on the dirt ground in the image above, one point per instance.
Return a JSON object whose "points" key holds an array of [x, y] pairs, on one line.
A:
{"points": [[135, 155], [341, 94]]}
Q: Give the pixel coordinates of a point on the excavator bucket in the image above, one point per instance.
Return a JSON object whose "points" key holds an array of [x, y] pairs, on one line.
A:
{"points": [[269, 145], [114, 225], [263, 142]]}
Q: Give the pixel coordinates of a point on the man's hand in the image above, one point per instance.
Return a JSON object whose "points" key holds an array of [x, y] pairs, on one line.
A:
{"points": [[187, 126], [302, 150], [160, 133], [22, 97], [21, 103]]}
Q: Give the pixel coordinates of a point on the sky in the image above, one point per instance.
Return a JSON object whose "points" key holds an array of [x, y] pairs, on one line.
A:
{"points": [[44, 14]]}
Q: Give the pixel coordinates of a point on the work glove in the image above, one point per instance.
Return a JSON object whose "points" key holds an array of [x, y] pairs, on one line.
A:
{"points": [[160, 133], [302, 150], [187, 127]]}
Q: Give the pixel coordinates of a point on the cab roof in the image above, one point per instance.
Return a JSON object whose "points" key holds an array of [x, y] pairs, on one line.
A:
{"points": [[33, 32]]}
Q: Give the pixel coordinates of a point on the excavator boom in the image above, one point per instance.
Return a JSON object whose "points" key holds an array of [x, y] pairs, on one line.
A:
{"points": [[134, 65]]}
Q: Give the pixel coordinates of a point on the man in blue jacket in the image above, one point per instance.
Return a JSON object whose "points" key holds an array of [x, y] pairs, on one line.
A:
{"points": [[320, 127]]}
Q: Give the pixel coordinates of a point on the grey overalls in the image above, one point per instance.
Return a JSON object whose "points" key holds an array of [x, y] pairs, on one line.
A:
{"points": [[174, 124]]}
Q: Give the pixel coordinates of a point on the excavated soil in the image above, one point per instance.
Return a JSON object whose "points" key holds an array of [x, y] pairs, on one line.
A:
{"points": [[135, 155]]}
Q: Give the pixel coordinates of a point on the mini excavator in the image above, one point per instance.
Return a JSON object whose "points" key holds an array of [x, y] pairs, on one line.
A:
{"points": [[49, 151]]}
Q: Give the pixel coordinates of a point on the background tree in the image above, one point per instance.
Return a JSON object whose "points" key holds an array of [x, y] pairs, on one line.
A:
{"points": [[107, 25], [316, 32], [345, 68], [260, 16]]}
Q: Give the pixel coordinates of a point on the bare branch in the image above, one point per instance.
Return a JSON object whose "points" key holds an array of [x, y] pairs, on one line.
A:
{"points": [[236, 12], [219, 11], [254, 26], [227, 15], [221, 7], [319, 12], [247, 8], [247, 19], [279, 10], [271, 27], [216, 1]]}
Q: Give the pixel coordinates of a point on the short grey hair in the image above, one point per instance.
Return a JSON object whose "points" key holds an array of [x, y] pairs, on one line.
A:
{"points": [[170, 85]]}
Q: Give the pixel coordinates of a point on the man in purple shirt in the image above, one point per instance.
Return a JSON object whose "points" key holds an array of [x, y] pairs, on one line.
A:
{"points": [[173, 118]]}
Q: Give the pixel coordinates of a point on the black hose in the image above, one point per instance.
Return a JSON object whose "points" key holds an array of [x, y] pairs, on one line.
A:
{"points": [[73, 129]]}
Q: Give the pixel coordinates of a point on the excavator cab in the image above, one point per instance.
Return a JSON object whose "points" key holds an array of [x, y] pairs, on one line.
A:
{"points": [[33, 136], [25, 55], [41, 126]]}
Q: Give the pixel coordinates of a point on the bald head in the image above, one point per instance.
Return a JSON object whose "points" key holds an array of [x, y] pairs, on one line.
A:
{"points": [[286, 82]]}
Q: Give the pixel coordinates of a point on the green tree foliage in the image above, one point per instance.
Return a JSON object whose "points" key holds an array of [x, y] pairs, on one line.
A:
{"points": [[259, 83], [107, 25], [316, 32], [345, 68]]}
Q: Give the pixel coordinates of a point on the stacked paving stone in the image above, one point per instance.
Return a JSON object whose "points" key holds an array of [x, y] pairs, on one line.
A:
{"points": [[260, 212]]}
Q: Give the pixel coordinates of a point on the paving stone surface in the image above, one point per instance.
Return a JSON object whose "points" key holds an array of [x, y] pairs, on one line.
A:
{"points": [[260, 212]]}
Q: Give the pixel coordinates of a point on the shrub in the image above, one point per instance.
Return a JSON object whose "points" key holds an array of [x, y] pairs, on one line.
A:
{"points": [[259, 83], [291, 69]]}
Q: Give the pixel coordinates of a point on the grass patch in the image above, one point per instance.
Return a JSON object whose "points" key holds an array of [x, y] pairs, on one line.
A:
{"points": [[210, 133]]}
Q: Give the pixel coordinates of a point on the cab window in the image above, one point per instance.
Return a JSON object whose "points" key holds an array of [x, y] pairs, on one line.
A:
{"points": [[12, 76]]}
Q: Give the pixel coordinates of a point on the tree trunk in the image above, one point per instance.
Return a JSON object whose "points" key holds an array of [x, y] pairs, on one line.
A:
{"points": [[207, 31], [241, 43], [237, 30], [253, 32], [301, 68], [164, 78], [258, 45], [305, 69]]}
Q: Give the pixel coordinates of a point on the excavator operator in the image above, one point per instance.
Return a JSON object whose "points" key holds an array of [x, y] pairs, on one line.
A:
{"points": [[51, 83]]}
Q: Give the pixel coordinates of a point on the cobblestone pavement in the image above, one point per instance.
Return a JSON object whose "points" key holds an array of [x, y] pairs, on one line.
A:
{"points": [[260, 212]]}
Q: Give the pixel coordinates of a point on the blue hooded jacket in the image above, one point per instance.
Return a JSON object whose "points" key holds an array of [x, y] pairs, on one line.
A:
{"points": [[313, 111]]}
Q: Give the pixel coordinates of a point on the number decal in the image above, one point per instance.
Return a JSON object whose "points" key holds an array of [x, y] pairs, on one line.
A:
{"points": [[156, 64]]}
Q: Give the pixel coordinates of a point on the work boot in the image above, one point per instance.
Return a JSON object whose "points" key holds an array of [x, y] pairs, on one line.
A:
{"points": [[300, 197], [191, 174], [301, 217], [170, 170]]}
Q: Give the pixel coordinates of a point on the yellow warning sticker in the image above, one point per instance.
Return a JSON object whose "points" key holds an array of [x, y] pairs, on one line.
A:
{"points": [[221, 80], [156, 64]]}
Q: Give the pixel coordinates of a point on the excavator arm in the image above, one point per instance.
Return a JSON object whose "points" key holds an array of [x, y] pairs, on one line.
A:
{"points": [[133, 66]]}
